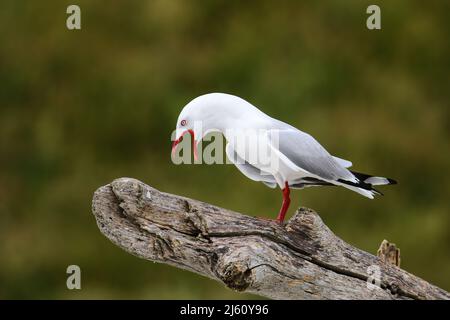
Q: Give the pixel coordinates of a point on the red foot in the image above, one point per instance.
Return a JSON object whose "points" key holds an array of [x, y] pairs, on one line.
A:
{"points": [[285, 205]]}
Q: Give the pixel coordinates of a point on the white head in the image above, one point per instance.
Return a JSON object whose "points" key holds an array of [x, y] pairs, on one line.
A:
{"points": [[213, 112]]}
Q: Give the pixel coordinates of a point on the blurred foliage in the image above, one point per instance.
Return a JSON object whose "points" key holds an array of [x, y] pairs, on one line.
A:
{"points": [[81, 108]]}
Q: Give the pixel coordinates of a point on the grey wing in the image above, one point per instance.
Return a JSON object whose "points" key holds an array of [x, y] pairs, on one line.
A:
{"points": [[343, 162], [249, 170], [306, 153]]}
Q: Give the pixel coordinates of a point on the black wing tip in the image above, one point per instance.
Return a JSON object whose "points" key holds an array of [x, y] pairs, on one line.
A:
{"points": [[359, 184], [377, 192], [392, 181], [363, 176]]}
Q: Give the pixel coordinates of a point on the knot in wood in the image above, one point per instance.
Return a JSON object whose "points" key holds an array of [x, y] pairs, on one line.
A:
{"points": [[236, 276]]}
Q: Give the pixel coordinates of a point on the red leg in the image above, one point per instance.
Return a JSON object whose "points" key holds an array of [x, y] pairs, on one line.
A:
{"points": [[285, 205]]}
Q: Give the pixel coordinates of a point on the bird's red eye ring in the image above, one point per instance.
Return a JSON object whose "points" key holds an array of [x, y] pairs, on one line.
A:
{"points": [[183, 122]]}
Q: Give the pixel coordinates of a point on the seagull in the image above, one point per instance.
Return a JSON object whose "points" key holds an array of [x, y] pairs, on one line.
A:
{"points": [[296, 160]]}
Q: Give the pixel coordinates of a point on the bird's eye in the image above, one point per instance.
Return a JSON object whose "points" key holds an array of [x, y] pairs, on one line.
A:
{"points": [[183, 122]]}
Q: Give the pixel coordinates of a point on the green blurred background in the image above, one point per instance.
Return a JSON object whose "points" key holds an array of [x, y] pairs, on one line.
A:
{"points": [[81, 108]]}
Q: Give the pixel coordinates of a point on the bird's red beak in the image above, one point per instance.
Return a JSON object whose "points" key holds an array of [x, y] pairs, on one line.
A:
{"points": [[194, 143]]}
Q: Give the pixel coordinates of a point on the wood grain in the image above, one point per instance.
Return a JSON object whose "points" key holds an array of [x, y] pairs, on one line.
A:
{"points": [[302, 259]]}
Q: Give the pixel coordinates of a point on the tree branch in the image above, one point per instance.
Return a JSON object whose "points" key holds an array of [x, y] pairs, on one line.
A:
{"points": [[302, 259]]}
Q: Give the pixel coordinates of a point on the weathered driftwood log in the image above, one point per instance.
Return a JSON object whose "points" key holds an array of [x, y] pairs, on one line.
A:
{"points": [[302, 259]]}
